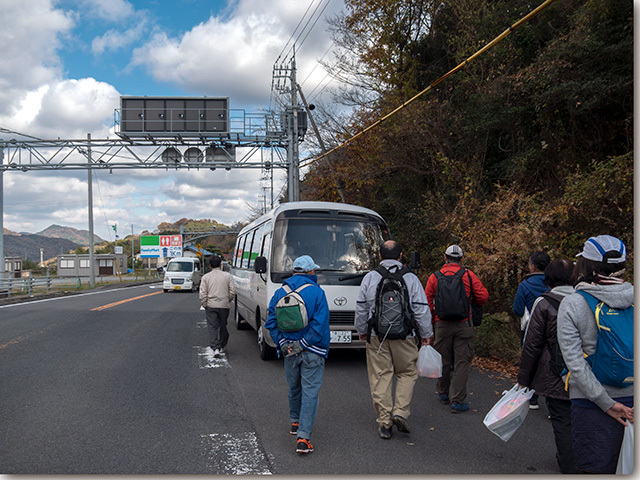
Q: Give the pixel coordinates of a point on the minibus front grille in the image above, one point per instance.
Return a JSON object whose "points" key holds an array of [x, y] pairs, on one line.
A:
{"points": [[342, 318]]}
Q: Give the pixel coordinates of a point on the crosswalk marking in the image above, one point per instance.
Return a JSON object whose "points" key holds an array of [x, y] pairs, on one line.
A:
{"points": [[207, 360], [238, 454]]}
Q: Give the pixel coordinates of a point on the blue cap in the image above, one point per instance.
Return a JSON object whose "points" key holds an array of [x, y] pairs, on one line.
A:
{"points": [[304, 264]]}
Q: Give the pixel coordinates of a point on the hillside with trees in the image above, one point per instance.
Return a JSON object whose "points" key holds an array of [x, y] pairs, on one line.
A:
{"points": [[528, 147]]}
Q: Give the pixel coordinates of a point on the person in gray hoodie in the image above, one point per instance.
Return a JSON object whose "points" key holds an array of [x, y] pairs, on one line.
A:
{"points": [[598, 412]]}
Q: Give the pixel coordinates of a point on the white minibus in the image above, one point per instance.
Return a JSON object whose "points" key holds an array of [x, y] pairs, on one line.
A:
{"points": [[343, 240]]}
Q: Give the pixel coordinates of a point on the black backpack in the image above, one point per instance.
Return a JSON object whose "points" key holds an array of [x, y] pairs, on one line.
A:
{"points": [[557, 366], [392, 316], [451, 302]]}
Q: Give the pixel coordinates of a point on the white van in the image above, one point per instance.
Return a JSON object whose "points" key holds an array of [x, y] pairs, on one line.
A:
{"points": [[344, 240], [182, 274]]}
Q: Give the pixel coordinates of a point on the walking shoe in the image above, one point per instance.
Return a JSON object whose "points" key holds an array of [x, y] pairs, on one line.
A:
{"points": [[384, 432], [444, 398], [216, 353], [459, 407], [534, 406], [401, 424], [294, 428], [304, 446]]}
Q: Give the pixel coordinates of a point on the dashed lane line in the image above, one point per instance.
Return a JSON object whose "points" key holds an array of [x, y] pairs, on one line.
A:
{"points": [[114, 304]]}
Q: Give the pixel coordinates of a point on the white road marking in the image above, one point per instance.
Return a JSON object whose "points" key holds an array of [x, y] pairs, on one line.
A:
{"points": [[202, 323], [66, 297], [207, 360], [235, 454]]}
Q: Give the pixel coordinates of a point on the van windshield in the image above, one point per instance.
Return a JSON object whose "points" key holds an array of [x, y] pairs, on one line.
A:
{"points": [[180, 267], [341, 246]]}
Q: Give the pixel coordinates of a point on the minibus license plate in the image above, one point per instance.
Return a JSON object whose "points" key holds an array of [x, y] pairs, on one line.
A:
{"points": [[341, 336]]}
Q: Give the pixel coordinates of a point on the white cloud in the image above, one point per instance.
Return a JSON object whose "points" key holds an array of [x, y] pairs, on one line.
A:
{"points": [[232, 55], [110, 10], [114, 40]]}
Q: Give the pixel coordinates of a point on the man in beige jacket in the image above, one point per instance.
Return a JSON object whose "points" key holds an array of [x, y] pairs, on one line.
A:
{"points": [[216, 292]]}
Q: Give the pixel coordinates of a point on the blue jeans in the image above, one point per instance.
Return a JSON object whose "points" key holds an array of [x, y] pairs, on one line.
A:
{"points": [[304, 376]]}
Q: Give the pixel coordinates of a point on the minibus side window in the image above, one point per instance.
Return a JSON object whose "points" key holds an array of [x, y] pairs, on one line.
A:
{"points": [[256, 245]]}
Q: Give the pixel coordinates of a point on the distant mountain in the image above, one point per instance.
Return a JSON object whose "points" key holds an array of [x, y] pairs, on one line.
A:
{"points": [[29, 245], [6, 231], [80, 237]]}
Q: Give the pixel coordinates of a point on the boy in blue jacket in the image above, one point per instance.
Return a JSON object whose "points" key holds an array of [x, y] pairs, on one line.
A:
{"points": [[305, 350], [531, 287]]}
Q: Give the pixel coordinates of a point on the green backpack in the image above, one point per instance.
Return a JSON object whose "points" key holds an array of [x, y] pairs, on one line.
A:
{"points": [[291, 312]]}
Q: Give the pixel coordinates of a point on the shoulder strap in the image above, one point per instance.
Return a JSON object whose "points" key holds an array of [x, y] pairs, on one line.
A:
{"points": [[286, 288], [591, 300], [382, 271], [302, 287], [552, 300]]}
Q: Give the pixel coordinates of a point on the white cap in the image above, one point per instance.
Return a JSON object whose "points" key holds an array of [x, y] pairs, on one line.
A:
{"points": [[453, 251], [596, 248]]}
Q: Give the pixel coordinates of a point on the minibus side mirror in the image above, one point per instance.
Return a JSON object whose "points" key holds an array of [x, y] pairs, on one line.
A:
{"points": [[414, 264], [260, 265]]}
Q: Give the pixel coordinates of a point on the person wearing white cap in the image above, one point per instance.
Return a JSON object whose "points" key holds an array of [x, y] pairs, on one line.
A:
{"points": [[598, 412], [453, 337], [305, 350]]}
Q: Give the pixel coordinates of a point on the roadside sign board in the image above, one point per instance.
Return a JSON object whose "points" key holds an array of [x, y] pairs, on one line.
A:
{"points": [[161, 246]]}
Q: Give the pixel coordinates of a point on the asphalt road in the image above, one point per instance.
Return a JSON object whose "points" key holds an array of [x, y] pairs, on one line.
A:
{"points": [[93, 386]]}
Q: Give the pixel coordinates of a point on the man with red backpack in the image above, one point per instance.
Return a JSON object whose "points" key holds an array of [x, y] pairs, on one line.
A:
{"points": [[449, 293]]}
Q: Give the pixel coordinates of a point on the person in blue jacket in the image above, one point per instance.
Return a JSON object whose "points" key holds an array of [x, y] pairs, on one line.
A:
{"points": [[531, 287], [305, 350]]}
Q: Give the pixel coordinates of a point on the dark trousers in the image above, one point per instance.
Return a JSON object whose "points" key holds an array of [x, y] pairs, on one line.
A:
{"points": [[217, 320], [454, 341], [597, 439], [560, 413]]}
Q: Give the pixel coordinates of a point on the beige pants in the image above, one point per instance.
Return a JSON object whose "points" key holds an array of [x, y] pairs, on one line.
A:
{"points": [[396, 357]]}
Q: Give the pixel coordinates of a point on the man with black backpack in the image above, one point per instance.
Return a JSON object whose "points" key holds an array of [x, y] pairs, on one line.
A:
{"points": [[449, 293], [391, 309]]}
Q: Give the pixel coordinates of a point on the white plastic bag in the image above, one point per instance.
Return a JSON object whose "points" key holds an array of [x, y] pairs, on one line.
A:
{"points": [[625, 460], [429, 362], [509, 412]]}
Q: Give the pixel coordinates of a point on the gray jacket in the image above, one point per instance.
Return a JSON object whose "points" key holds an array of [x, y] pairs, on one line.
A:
{"points": [[577, 333], [366, 301], [217, 289]]}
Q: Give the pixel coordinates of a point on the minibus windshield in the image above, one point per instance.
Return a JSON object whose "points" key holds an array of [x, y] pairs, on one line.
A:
{"points": [[180, 267], [342, 246]]}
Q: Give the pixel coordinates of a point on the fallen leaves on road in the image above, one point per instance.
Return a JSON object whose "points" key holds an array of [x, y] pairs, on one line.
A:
{"points": [[493, 365]]}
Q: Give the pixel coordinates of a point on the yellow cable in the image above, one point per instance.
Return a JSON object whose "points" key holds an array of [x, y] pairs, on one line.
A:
{"points": [[489, 45]]}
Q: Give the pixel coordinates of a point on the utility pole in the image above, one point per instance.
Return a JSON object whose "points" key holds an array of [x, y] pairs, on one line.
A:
{"points": [[2, 268], [92, 262], [292, 151], [133, 257]]}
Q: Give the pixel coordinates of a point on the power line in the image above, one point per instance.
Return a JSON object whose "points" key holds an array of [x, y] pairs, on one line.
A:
{"points": [[489, 45]]}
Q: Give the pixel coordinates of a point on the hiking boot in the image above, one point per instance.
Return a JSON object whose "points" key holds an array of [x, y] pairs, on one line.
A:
{"points": [[401, 424], [304, 446], [444, 398], [459, 407], [384, 432], [294, 428]]}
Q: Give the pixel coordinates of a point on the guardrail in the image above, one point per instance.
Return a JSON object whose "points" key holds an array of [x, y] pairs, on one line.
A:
{"points": [[9, 286]]}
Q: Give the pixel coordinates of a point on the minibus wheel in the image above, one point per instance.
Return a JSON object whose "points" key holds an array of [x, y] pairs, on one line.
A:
{"points": [[267, 352], [239, 321]]}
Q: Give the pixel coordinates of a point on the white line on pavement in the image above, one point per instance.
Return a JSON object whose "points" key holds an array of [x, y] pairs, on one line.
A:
{"points": [[207, 360], [235, 454]]}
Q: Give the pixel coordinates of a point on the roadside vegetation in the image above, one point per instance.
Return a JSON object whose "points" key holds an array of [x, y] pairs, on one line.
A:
{"points": [[528, 147]]}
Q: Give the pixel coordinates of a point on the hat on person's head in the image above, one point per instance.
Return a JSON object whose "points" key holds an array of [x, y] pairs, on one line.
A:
{"points": [[601, 248], [453, 251], [304, 264]]}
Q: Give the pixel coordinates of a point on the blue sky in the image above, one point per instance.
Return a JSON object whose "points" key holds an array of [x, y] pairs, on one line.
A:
{"points": [[66, 63]]}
